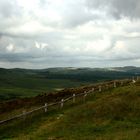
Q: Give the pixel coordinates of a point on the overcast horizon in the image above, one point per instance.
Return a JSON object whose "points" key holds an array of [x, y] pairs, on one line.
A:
{"points": [[39, 34]]}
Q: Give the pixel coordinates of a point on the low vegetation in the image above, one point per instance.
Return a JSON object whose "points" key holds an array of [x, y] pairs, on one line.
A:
{"points": [[110, 115]]}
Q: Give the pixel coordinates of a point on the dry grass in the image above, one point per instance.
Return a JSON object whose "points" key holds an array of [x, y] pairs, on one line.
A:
{"points": [[110, 115]]}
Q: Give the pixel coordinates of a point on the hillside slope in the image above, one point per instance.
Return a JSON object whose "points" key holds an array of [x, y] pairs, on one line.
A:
{"points": [[113, 114], [21, 83]]}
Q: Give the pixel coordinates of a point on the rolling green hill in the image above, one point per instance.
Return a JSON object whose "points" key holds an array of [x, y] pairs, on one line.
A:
{"points": [[20, 83], [109, 115]]}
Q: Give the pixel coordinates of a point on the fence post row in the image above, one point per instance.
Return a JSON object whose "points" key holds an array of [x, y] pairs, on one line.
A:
{"points": [[24, 113], [46, 109], [62, 103]]}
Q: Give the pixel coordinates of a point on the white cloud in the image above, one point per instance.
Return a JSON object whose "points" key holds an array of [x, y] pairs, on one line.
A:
{"points": [[120, 50], [31, 28], [69, 32], [10, 48], [41, 45], [98, 46]]}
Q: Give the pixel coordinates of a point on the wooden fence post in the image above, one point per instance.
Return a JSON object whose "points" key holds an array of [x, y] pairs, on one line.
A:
{"points": [[24, 114], [100, 88], [73, 98], [133, 79], [121, 83], [137, 78], [62, 103], [114, 84], [46, 109], [92, 89], [85, 97]]}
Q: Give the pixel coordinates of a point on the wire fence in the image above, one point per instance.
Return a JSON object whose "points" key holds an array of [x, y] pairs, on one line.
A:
{"points": [[97, 88]]}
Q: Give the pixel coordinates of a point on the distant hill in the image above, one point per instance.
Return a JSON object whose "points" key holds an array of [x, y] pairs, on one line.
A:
{"points": [[19, 83]]}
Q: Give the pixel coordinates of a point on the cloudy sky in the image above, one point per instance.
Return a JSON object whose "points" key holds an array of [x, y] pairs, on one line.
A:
{"points": [[77, 33]]}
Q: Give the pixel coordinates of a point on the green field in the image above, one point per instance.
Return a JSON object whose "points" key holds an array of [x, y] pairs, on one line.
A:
{"points": [[109, 115], [19, 83], [28, 87]]}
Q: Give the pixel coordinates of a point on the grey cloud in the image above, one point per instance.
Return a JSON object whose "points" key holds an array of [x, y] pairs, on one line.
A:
{"points": [[128, 8], [117, 8], [9, 57], [75, 61], [77, 15], [9, 8]]}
